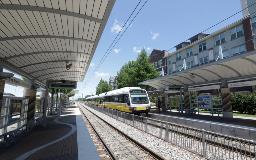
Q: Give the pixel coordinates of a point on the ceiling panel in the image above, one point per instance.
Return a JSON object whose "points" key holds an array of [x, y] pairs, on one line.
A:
{"points": [[36, 35]]}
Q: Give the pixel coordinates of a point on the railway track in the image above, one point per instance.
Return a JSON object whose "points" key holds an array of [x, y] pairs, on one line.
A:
{"points": [[191, 139], [117, 144]]}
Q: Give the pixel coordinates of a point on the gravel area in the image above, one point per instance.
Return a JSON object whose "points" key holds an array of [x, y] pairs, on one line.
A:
{"points": [[193, 142], [120, 146], [163, 148], [103, 154]]}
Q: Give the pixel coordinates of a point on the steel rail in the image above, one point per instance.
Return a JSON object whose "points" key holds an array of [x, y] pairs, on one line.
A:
{"points": [[149, 151]]}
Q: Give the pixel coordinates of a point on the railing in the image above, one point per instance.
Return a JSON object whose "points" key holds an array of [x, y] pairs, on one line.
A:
{"points": [[207, 144], [12, 125]]}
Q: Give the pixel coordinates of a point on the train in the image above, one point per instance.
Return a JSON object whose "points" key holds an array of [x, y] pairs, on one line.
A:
{"points": [[128, 99]]}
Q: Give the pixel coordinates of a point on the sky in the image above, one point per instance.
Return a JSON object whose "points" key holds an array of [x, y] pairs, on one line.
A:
{"points": [[160, 25]]}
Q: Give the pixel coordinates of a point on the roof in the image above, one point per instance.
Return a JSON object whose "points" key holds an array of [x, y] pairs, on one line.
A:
{"points": [[227, 69], [38, 39], [124, 90]]}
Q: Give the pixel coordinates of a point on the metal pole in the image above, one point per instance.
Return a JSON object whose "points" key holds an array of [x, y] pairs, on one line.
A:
{"points": [[133, 120], [254, 144], [203, 143], [167, 132], [146, 125], [161, 129]]}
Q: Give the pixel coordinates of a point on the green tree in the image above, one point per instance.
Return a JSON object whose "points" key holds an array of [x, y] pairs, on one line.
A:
{"points": [[134, 72], [102, 87]]}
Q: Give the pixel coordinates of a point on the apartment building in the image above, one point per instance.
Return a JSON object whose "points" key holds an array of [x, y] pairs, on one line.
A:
{"points": [[237, 38], [158, 58]]}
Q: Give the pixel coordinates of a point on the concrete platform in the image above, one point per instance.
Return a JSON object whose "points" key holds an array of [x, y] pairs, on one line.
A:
{"points": [[63, 138], [233, 127]]}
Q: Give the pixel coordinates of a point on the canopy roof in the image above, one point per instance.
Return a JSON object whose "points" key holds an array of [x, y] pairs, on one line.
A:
{"points": [[232, 69], [39, 38]]}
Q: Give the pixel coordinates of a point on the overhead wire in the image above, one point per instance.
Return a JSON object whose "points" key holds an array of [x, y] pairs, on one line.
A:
{"points": [[126, 25]]}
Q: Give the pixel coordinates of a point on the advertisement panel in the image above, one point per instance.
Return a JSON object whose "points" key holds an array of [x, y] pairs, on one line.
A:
{"points": [[204, 101]]}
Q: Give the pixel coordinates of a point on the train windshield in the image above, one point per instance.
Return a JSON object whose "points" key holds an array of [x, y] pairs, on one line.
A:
{"points": [[139, 97]]}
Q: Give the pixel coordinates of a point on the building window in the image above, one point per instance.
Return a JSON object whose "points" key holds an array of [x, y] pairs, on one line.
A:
{"points": [[203, 60], [190, 64], [202, 47], [226, 53], [220, 39], [254, 24], [169, 61], [237, 32], [189, 52], [178, 57], [238, 49]]}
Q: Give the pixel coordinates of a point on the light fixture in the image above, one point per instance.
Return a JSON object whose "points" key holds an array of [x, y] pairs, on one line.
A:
{"points": [[68, 65]]}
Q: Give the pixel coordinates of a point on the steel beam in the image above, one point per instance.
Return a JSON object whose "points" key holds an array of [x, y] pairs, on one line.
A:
{"points": [[17, 7], [42, 52], [33, 64], [44, 36], [230, 68], [39, 77], [49, 69], [216, 74]]}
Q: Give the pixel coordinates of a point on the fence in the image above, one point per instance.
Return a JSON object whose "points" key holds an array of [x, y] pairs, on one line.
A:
{"points": [[207, 144], [13, 118]]}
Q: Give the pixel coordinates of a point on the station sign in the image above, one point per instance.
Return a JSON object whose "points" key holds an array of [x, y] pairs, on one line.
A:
{"points": [[204, 101]]}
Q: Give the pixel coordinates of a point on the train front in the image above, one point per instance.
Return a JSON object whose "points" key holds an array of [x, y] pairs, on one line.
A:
{"points": [[139, 101]]}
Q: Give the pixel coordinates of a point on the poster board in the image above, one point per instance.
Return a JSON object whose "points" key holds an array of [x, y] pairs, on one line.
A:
{"points": [[204, 101]]}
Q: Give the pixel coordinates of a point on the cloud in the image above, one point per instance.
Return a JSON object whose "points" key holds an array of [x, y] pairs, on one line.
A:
{"points": [[154, 36], [102, 75], [92, 65], [117, 27], [116, 50], [136, 49]]}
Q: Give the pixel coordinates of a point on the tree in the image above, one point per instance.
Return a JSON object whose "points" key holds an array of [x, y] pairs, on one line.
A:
{"points": [[134, 72], [102, 87]]}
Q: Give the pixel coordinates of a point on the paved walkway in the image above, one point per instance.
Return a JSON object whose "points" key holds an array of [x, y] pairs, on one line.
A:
{"points": [[64, 138]]}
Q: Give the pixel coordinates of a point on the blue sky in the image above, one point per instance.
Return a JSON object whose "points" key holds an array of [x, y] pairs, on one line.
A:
{"points": [[160, 25]]}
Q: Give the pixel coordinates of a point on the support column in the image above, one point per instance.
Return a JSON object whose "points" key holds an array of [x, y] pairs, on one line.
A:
{"points": [[226, 100], [2, 84], [45, 104], [186, 100], [181, 105], [52, 101], [30, 93], [166, 101], [57, 101]]}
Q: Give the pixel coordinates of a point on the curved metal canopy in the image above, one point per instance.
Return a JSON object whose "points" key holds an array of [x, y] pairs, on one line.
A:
{"points": [[234, 68], [39, 37]]}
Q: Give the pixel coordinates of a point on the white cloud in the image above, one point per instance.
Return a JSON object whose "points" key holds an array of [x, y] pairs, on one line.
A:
{"points": [[102, 75], [92, 65], [117, 27], [136, 49], [116, 50], [154, 35]]}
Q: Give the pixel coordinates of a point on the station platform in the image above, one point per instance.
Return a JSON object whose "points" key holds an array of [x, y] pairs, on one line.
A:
{"points": [[233, 121], [64, 138]]}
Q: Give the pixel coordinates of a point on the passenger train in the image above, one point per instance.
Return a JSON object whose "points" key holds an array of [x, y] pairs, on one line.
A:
{"points": [[128, 99]]}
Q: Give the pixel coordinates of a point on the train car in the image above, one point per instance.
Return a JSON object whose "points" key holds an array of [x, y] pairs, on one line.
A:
{"points": [[128, 99]]}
